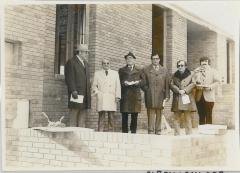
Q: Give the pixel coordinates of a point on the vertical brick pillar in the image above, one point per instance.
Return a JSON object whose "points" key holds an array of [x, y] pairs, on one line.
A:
{"points": [[176, 39], [115, 30]]}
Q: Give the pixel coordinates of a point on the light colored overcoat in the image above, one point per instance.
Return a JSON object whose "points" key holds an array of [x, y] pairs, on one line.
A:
{"points": [[106, 88]]}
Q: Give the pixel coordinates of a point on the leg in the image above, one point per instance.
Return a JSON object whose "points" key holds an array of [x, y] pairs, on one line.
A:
{"points": [[150, 115], [158, 121], [81, 117], [111, 121], [133, 125], [209, 108], [188, 122], [73, 118], [177, 123], [101, 121], [125, 122], [201, 110]]}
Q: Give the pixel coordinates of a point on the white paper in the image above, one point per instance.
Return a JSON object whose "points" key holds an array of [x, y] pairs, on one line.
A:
{"points": [[185, 99], [78, 100]]}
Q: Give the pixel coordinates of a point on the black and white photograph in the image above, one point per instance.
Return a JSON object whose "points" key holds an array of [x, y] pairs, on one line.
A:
{"points": [[119, 85]]}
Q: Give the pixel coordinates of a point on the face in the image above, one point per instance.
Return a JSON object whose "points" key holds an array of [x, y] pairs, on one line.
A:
{"points": [[105, 64], [130, 60], [84, 54], [204, 63], [155, 60], [181, 66]]}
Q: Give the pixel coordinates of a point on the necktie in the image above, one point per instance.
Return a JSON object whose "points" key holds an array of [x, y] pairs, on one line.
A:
{"points": [[106, 72]]}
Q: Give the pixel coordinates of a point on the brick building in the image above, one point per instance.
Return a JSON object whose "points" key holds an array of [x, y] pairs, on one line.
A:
{"points": [[40, 38]]}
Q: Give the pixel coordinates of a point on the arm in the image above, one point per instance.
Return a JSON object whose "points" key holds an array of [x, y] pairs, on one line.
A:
{"points": [[216, 80], [118, 87], [70, 77], [174, 87], [167, 89], [95, 84]]}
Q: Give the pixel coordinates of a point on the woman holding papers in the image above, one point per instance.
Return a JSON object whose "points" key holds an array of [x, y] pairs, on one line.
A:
{"points": [[183, 101]]}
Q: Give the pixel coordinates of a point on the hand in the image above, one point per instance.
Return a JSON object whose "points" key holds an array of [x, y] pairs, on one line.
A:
{"points": [[117, 100], [126, 83], [181, 92], [75, 94]]}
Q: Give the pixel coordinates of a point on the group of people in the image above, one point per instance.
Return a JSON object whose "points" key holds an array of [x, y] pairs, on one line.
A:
{"points": [[192, 91]]}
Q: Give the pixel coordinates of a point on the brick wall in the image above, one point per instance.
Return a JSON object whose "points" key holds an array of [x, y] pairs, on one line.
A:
{"points": [[201, 44], [86, 149], [114, 39], [25, 25], [176, 39], [54, 88]]}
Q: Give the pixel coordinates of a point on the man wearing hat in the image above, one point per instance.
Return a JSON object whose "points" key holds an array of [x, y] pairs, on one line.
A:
{"points": [[78, 84], [131, 80]]}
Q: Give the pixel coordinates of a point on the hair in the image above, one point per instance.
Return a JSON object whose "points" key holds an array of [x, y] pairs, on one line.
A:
{"points": [[154, 54], [204, 58], [185, 62], [130, 54]]}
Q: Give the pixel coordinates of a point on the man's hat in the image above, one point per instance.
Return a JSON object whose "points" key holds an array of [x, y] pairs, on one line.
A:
{"points": [[129, 54], [82, 47]]}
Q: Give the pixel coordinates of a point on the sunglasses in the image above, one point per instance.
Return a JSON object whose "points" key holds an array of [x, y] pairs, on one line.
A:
{"points": [[180, 65]]}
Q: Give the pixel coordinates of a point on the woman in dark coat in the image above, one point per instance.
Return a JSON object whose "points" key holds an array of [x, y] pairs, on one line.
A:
{"points": [[131, 80], [183, 101]]}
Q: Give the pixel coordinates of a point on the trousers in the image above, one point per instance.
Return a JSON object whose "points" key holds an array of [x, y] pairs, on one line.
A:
{"points": [[133, 125], [77, 117], [102, 118]]}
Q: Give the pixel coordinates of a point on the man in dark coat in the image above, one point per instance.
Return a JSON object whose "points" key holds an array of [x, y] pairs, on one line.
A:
{"points": [[156, 91], [183, 101], [131, 81], [78, 83]]}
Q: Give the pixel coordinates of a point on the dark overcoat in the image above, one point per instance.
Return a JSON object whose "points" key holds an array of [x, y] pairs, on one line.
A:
{"points": [[78, 79], [157, 86], [186, 84], [130, 95]]}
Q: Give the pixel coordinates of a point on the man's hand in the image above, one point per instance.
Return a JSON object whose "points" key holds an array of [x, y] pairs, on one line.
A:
{"points": [[181, 92], [117, 100], [75, 94]]}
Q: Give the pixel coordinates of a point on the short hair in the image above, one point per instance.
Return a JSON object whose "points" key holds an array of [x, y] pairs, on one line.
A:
{"points": [[154, 54], [185, 62], [204, 58]]}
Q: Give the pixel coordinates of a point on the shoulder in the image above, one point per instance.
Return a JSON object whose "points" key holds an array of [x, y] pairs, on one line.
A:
{"points": [[122, 68]]}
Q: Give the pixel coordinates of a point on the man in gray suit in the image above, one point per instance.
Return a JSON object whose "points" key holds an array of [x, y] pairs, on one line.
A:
{"points": [[78, 83], [206, 80]]}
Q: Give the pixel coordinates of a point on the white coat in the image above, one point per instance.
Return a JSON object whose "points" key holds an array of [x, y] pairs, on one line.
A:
{"points": [[106, 88]]}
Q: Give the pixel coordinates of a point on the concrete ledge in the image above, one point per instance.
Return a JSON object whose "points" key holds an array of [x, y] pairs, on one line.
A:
{"points": [[86, 149]]}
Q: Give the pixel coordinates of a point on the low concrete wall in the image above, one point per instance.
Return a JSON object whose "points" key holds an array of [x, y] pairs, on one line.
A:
{"points": [[104, 150]]}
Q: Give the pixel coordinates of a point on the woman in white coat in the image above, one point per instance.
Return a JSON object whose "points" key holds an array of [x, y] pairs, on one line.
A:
{"points": [[106, 87]]}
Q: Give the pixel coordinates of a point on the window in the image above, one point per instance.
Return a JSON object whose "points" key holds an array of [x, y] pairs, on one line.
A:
{"points": [[12, 53], [71, 30]]}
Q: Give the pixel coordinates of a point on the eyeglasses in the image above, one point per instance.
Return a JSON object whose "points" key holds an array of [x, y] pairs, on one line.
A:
{"points": [[180, 65], [107, 63]]}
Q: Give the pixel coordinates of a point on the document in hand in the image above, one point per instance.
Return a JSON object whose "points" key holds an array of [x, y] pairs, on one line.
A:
{"points": [[78, 100], [185, 99]]}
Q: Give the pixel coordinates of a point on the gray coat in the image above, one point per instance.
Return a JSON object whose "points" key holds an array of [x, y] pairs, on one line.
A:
{"points": [[157, 86], [185, 84], [130, 95], [77, 79]]}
